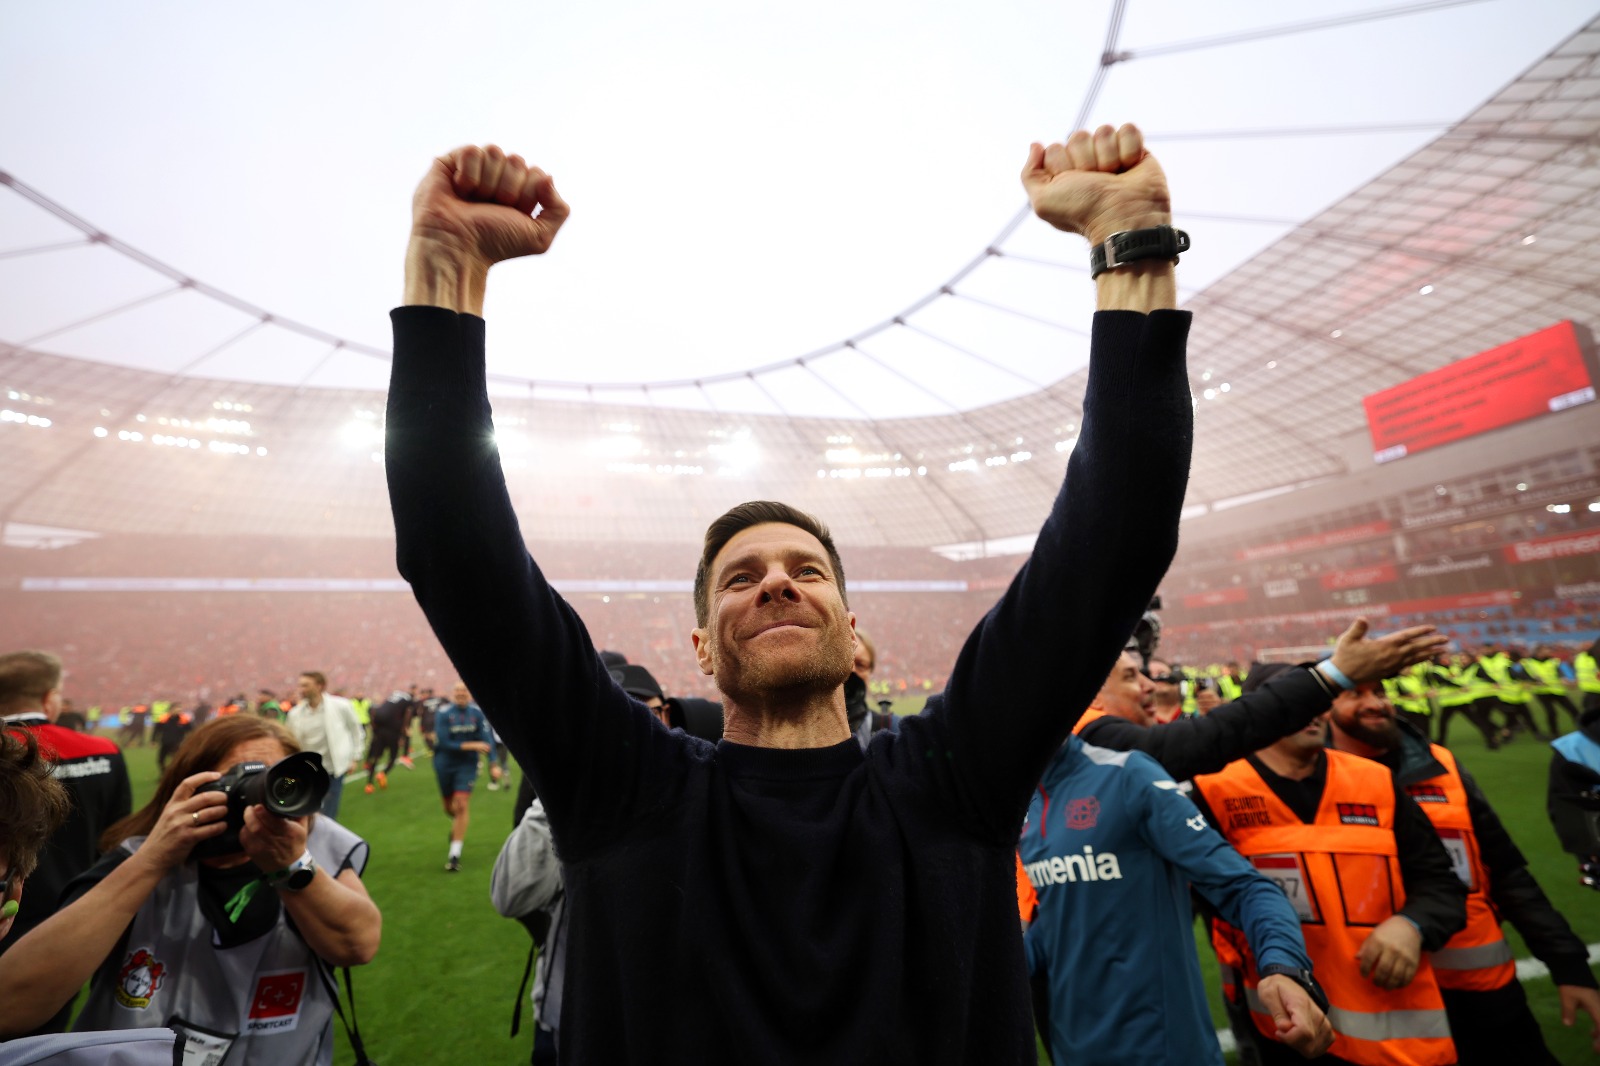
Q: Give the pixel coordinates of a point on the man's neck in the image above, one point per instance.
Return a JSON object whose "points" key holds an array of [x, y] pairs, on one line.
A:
{"points": [[819, 720], [1291, 765], [314, 701]]}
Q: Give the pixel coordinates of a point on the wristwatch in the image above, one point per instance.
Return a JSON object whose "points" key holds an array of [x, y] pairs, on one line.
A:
{"points": [[296, 876], [1131, 245], [1302, 978]]}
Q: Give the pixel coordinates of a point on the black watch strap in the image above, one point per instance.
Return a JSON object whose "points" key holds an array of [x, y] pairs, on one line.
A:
{"points": [[1131, 245], [1304, 979]]}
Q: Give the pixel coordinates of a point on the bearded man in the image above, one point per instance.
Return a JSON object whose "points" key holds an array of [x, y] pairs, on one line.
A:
{"points": [[731, 902], [1489, 1014]]}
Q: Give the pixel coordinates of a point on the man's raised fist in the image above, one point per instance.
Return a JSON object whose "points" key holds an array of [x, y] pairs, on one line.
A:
{"points": [[1098, 184], [485, 204]]}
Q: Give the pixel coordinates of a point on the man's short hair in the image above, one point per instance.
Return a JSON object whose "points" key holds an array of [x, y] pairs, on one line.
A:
{"points": [[316, 675], [26, 678], [34, 802], [742, 517]]}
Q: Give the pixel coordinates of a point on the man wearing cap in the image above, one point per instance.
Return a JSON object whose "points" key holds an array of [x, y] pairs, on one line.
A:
{"points": [[638, 682], [1489, 1014]]}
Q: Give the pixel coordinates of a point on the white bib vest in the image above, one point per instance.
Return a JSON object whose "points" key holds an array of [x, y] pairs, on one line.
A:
{"points": [[267, 1001]]}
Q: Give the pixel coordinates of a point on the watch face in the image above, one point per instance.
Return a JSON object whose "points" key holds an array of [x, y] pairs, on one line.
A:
{"points": [[301, 878]]}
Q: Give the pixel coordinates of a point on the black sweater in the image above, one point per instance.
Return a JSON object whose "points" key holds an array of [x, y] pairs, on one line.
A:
{"points": [[733, 904]]}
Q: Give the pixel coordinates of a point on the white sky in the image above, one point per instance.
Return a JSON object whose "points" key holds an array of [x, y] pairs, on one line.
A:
{"points": [[749, 183]]}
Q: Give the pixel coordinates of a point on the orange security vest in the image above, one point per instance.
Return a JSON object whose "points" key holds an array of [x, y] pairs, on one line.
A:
{"points": [[1341, 873], [1477, 959], [1088, 716]]}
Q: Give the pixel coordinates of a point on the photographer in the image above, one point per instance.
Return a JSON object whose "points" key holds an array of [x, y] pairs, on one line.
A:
{"points": [[1120, 718], [207, 915]]}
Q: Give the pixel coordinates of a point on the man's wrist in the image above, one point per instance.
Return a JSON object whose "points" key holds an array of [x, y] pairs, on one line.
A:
{"points": [[440, 273], [1099, 233]]}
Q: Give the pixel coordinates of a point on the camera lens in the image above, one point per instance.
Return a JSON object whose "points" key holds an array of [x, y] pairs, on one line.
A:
{"points": [[286, 791], [293, 787]]}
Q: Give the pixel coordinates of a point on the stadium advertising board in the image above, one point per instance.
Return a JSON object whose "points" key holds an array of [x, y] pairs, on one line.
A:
{"points": [[1278, 588], [1217, 597], [1314, 541], [1361, 577], [1450, 564], [1546, 549], [1534, 375], [1536, 495]]}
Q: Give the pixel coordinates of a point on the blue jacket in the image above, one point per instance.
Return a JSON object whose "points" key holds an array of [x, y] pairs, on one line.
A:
{"points": [[455, 726], [1111, 845]]}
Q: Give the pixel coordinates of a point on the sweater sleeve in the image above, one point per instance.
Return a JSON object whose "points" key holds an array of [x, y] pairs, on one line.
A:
{"points": [[595, 755], [1036, 659], [1205, 744]]}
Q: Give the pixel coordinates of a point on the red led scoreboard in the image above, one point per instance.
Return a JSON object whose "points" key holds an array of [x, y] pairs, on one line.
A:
{"points": [[1533, 375]]}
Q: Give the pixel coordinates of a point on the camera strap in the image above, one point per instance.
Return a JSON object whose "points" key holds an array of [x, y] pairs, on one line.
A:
{"points": [[352, 1028]]}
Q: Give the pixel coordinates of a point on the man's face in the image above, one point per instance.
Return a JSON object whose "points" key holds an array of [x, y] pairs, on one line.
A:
{"points": [[309, 689], [1127, 693], [658, 707], [864, 664], [461, 696], [777, 622], [1306, 742], [1365, 714]]}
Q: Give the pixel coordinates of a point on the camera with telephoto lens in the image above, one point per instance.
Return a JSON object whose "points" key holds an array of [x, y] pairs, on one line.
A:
{"points": [[290, 788]]}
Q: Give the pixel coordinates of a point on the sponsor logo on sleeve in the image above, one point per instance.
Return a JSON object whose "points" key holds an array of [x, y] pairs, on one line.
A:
{"points": [[1427, 793]]}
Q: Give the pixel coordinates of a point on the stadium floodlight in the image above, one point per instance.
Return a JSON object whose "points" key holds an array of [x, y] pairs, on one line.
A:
{"points": [[737, 455], [1595, 507], [101, 431], [361, 435], [617, 447]]}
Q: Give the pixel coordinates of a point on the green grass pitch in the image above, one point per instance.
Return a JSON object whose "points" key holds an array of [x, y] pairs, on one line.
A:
{"points": [[444, 983]]}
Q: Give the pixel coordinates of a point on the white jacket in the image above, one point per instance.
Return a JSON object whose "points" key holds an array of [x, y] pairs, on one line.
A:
{"points": [[343, 728]]}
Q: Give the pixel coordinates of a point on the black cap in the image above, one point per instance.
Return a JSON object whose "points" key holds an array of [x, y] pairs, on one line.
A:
{"points": [[613, 658], [1260, 675], [636, 681]]}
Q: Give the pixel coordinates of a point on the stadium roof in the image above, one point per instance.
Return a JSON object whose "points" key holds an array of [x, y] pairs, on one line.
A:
{"points": [[1482, 235]]}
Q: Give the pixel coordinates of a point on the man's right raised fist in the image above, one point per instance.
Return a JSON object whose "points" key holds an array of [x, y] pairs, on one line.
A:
{"points": [[484, 204]]}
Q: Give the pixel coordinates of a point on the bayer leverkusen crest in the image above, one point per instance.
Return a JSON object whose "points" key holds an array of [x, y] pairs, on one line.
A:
{"points": [[141, 975], [1083, 813]]}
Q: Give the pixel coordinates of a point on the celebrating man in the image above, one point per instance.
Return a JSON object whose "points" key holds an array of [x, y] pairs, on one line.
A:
{"points": [[731, 901]]}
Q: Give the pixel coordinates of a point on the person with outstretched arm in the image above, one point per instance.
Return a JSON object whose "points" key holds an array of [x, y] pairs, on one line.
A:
{"points": [[1263, 714], [728, 902]]}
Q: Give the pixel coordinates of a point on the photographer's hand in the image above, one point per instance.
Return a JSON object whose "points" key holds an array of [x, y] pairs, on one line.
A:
{"points": [[188, 818], [1365, 660], [272, 843]]}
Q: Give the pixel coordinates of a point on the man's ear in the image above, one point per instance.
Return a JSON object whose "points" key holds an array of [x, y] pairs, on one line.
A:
{"points": [[52, 704], [702, 650]]}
